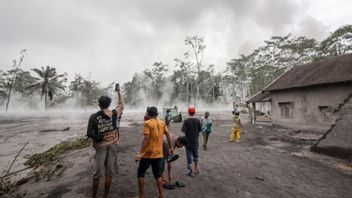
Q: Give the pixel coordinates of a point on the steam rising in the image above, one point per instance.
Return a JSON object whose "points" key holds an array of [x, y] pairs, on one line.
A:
{"points": [[115, 39]]}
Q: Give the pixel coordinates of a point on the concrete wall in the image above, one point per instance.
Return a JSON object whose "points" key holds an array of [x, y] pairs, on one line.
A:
{"points": [[337, 141], [340, 134], [306, 114]]}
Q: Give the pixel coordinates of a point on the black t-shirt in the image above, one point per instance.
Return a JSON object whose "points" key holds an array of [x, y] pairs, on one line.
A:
{"points": [[191, 127], [99, 122]]}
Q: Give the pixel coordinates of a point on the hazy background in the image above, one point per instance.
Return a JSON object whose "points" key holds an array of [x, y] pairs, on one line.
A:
{"points": [[114, 39]]}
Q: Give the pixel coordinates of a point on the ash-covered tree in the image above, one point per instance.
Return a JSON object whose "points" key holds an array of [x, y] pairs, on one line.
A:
{"points": [[183, 79], [22, 80], [16, 66], [155, 80], [2, 86], [76, 87], [132, 89], [338, 43], [198, 46], [267, 62], [90, 92], [211, 88], [238, 70], [49, 83]]}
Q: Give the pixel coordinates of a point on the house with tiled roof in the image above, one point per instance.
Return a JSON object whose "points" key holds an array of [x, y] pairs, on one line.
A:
{"points": [[306, 96]]}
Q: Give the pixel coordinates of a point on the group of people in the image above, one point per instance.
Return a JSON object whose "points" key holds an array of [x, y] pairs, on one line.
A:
{"points": [[158, 145]]}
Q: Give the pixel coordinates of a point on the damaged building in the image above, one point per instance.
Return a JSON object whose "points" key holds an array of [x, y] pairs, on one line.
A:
{"points": [[309, 96]]}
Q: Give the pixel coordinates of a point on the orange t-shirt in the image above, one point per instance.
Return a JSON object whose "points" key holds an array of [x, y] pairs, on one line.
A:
{"points": [[155, 130]]}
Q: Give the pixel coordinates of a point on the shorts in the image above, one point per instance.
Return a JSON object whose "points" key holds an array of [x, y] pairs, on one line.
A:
{"points": [[105, 161], [157, 167]]}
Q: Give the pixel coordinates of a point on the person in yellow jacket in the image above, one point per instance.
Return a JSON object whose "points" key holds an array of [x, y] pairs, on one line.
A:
{"points": [[236, 127]]}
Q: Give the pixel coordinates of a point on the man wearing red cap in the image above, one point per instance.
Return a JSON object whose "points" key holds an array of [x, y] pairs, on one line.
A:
{"points": [[192, 127]]}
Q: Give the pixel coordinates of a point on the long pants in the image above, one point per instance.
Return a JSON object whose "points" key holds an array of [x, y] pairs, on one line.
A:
{"points": [[192, 155], [205, 142], [235, 134]]}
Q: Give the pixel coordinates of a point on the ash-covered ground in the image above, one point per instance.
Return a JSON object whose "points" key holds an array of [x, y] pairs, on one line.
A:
{"points": [[269, 161]]}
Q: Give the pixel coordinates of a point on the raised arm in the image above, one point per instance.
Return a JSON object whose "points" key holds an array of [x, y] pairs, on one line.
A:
{"points": [[119, 107]]}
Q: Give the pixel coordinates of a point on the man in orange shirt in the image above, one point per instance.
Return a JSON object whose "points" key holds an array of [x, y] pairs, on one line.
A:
{"points": [[151, 152]]}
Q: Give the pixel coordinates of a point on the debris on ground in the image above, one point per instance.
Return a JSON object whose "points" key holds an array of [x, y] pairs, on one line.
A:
{"points": [[55, 130]]}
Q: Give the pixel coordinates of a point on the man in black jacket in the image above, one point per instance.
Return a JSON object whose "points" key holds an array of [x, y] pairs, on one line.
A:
{"points": [[102, 128]]}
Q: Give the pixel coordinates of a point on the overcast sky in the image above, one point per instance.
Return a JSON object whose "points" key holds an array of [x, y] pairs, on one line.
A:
{"points": [[113, 39]]}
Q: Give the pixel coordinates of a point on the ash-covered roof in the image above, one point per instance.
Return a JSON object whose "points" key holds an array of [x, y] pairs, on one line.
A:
{"points": [[329, 71], [260, 97]]}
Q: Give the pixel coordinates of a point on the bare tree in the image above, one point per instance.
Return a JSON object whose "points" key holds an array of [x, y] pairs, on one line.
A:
{"points": [[197, 44], [16, 65]]}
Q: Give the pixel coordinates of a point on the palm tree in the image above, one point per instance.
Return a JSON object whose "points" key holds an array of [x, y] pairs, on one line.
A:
{"points": [[49, 83], [76, 85]]}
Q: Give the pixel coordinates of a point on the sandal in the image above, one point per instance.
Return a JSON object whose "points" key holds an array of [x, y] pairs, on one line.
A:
{"points": [[190, 174], [172, 158], [179, 184], [169, 186]]}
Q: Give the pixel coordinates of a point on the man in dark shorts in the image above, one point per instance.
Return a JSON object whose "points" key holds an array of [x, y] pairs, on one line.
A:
{"points": [[102, 129], [151, 152], [192, 127]]}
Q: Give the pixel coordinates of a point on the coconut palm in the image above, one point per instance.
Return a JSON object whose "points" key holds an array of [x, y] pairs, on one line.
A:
{"points": [[76, 86], [49, 83]]}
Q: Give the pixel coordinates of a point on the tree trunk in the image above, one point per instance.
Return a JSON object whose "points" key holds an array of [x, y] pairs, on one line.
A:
{"points": [[77, 99], [189, 90], [8, 98], [10, 89], [46, 101], [197, 92]]}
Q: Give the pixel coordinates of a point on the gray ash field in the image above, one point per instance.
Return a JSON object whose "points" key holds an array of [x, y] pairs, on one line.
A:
{"points": [[267, 163]]}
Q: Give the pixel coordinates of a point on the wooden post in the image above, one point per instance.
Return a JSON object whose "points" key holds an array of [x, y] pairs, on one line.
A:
{"points": [[254, 114]]}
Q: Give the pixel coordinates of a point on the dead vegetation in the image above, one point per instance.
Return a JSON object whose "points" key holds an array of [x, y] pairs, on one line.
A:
{"points": [[46, 165], [55, 152]]}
